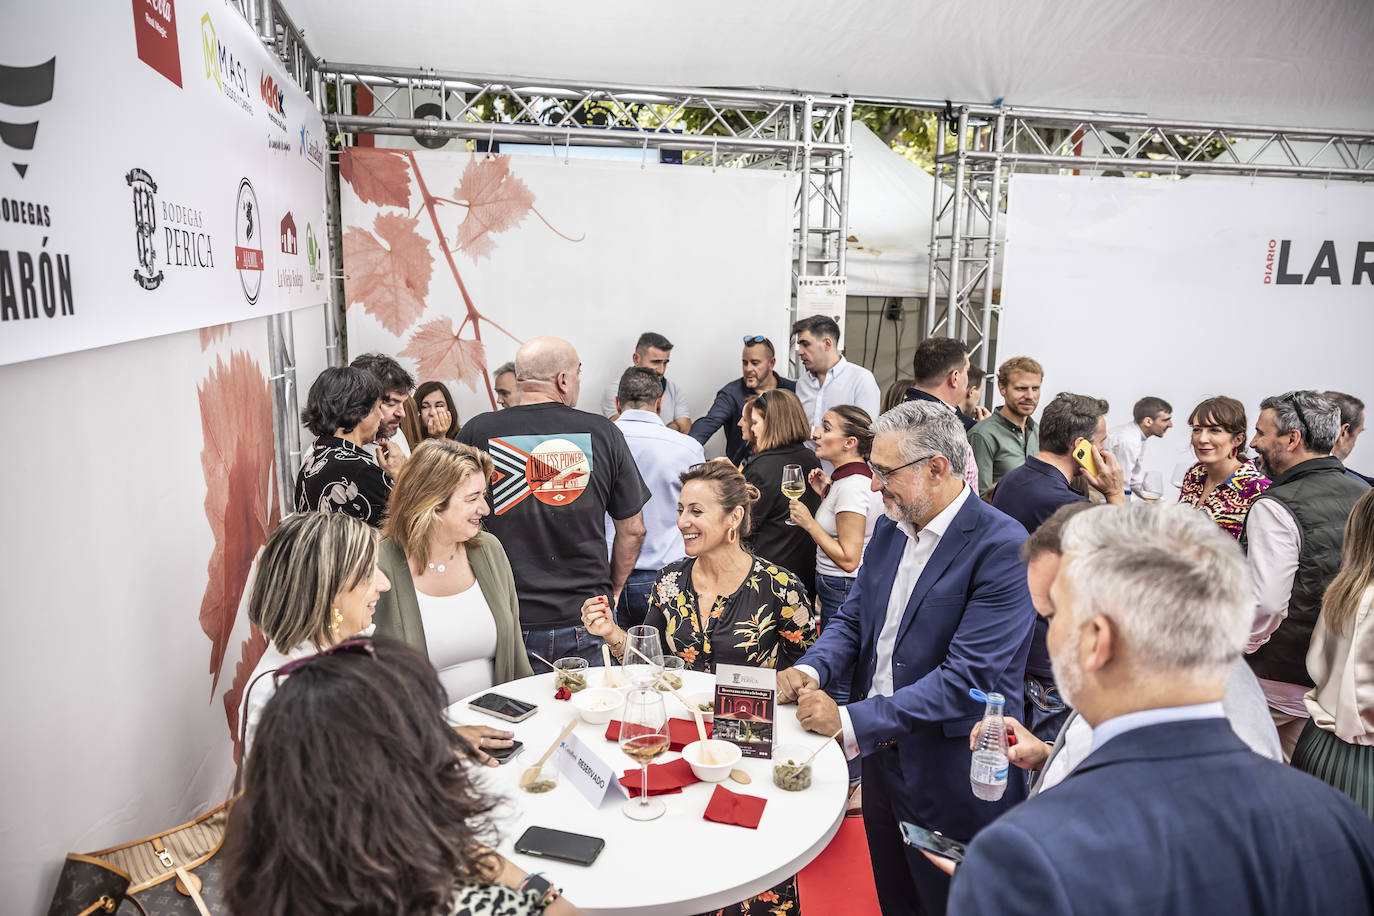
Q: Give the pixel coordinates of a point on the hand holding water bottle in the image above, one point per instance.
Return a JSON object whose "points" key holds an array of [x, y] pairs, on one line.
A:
{"points": [[988, 772]]}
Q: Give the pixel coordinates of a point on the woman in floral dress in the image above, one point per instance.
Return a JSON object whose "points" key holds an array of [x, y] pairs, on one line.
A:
{"points": [[1223, 483]]}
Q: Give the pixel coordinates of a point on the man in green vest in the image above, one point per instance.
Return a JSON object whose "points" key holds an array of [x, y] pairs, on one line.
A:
{"points": [[1293, 537]]}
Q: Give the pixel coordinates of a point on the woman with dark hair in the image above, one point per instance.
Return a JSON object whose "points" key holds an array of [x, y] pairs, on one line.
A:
{"points": [[896, 392], [438, 414], [721, 604], [358, 799], [780, 435], [1223, 483], [1337, 743], [344, 411], [849, 509]]}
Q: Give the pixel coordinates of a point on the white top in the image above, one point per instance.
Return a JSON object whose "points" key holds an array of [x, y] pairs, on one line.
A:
{"points": [[398, 440], [1343, 700], [1273, 546], [848, 494], [919, 547], [1119, 725], [794, 829], [1127, 443], [674, 400], [461, 635], [661, 454]]}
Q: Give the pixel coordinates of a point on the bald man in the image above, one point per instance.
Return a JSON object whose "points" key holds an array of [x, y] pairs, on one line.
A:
{"points": [[559, 472]]}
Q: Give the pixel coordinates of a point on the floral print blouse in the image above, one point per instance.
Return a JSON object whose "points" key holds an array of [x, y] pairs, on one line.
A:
{"points": [[766, 623], [1230, 501]]}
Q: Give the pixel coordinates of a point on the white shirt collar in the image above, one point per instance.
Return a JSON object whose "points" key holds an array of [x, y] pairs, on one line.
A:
{"points": [[834, 371], [1119, 725], [942, 520], [642, 416]]}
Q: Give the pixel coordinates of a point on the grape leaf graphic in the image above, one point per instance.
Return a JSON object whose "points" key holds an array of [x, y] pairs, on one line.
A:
{"points": [[496, 201], [391, 282], [213, 333], [236, 419], [439, 353], [378, 176], [250, 653]]}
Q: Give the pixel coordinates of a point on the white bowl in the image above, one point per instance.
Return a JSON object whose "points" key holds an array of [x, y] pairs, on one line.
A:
{"points": [[598, 705], [701, 696], [715, 772]]}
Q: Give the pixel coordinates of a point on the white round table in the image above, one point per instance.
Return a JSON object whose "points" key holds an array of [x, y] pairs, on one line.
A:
{"points": [[680, 863]]}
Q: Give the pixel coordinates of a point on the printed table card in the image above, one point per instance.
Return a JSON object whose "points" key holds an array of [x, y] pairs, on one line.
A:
{"points": [[593, 777], [745, 703]]}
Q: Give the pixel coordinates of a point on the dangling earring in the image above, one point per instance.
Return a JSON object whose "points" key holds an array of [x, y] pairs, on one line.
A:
{"points": [[732, 535], [338, 622]]}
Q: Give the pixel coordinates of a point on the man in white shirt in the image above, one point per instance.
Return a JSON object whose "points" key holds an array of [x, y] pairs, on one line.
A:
{"points": [[1151, 416], [653, 351], [830, 379], [1293, 535], [390, 450], [1170, 811], [661, 454]]}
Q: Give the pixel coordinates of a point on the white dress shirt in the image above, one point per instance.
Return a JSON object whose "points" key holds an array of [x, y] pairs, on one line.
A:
{"points": [[916, 554], [661, 454], [1273, 546], [1127, 443], [845, 383], [674, 401], [1119, 725]]}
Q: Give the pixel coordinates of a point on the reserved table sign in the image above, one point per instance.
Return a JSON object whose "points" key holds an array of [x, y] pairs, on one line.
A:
{"points": [[745, 703], [585, 769]]}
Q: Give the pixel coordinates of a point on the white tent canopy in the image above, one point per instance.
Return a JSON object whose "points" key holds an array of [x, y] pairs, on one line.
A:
{"points": [[889, 220], [1268, 62]]}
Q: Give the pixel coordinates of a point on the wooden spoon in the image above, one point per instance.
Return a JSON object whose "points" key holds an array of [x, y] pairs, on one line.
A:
{"points": [[740, 777], [821, 747], [531, 773], [606, 674], [544, 660]]}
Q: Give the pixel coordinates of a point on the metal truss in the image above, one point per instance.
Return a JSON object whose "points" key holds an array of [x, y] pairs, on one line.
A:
{"points": [[979, 147]]}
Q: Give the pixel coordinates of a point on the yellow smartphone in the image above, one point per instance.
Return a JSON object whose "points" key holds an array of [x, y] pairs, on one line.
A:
{"points": [[1083, 454]]}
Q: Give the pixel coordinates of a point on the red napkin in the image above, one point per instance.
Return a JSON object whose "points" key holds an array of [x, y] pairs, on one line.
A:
{"points": [[728, 807], [681, 732], [664, 778]]}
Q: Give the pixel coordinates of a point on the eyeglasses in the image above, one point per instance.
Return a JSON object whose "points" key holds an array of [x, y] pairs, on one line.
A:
{"points": [[885, 476], [754, 338], [360, 645]]}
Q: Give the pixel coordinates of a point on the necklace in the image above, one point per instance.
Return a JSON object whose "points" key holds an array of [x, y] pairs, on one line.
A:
{"points": [[440, 567]]}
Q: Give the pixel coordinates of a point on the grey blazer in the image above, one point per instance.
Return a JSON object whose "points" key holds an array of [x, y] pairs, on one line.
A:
{"points": [[398, 610]]}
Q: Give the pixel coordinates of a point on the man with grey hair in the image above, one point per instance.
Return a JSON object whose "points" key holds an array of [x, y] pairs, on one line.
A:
{"points": [[654, 351], [1293, 536], [503, 381], [558, 473], [940, 606], [1352, 424], [1170, 812]]}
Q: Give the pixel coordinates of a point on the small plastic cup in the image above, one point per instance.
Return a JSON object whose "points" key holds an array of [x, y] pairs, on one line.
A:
{"points": [[570, 673], [537, 779], [673, 666], [788, 773]]}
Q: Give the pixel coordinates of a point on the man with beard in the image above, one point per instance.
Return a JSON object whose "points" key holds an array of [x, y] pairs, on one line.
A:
{"points": [[390, 449], [653, 351], [940, 605], [1005, 439], [1293, 535], [1170, 812], [757, 376]]}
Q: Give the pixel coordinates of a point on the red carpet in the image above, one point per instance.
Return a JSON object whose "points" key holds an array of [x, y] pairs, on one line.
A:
{"points": [[841, 878]]}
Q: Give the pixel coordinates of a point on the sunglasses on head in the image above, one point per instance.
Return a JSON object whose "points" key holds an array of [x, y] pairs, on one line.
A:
{"points": [[754, 338], [360, 645]]}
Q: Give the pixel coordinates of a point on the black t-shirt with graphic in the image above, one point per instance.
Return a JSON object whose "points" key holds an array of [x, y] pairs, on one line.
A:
{"points": [[558, 472]]}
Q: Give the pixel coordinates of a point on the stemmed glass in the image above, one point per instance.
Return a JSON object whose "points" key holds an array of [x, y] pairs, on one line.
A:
{"points": [[1152, 487], [793, 484], [644, 736], [641, 643]]}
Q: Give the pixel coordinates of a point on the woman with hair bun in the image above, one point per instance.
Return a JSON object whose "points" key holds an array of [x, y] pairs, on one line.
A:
{"points": [[721, 604]]}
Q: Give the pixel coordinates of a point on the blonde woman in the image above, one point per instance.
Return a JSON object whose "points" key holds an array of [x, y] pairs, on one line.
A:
{"points": [[453, 594], [1337, 744]]}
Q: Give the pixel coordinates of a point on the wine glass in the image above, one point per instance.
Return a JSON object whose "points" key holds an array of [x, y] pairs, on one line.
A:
{"points": [[644, 736], [642, 643], [793, 484], [1152, 486]]}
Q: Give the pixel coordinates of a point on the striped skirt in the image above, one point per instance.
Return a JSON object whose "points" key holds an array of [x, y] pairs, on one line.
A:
{"points": [[1348, 767]]}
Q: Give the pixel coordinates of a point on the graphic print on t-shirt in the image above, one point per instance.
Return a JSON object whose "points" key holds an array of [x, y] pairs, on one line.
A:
{"points": [[554, 468]]}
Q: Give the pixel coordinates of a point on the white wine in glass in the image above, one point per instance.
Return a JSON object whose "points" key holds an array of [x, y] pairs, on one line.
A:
{"points": [[644, 736], [793, 484], [1152, 487]]}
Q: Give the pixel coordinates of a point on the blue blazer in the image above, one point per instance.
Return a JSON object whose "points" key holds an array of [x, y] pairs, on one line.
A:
{"points": [[1174, 819], [967, 624]]}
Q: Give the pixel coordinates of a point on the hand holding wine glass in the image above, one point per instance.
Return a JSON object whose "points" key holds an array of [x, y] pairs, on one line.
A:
{"points": [[643, 737], [793, 484]]}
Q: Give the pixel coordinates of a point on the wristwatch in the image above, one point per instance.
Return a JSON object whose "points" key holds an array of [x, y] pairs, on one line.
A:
{"points": [[541, 886]]}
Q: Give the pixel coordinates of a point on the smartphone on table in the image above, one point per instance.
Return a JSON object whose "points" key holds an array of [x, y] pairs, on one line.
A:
{"points": [[576, 848], [921, 838], [504, 755], [1083, 454], [493, 704]]}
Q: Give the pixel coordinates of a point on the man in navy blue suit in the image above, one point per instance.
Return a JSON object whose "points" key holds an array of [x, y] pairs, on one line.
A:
{"points": [[940, 606], [1170, 813]]}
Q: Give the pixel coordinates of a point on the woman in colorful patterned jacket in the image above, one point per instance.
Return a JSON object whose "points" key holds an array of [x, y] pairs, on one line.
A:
{"points": [[1223, 483]]}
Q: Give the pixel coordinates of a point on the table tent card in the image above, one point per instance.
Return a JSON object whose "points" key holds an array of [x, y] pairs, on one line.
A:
{"points": [[584, 768], [746, 699]]}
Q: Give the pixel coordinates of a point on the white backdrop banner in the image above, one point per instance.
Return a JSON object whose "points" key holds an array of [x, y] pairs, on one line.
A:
{"points": [[158, 172], [1187, 289], [454, 259]]}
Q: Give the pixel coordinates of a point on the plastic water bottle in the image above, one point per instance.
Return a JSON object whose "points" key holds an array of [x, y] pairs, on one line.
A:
{"points": [[988, 774]]}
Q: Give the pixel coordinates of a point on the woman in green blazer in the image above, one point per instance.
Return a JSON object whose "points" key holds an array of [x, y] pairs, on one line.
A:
{"points": [[453, 594]]}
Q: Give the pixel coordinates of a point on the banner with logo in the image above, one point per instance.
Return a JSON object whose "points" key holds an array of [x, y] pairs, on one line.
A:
{"points": [[1185, 289], [159, 171]]}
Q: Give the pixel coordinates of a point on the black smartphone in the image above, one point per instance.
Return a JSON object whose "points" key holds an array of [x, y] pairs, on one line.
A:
{"points": [[922, 838], [559, 844], [504, 755], [493, 704]]}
